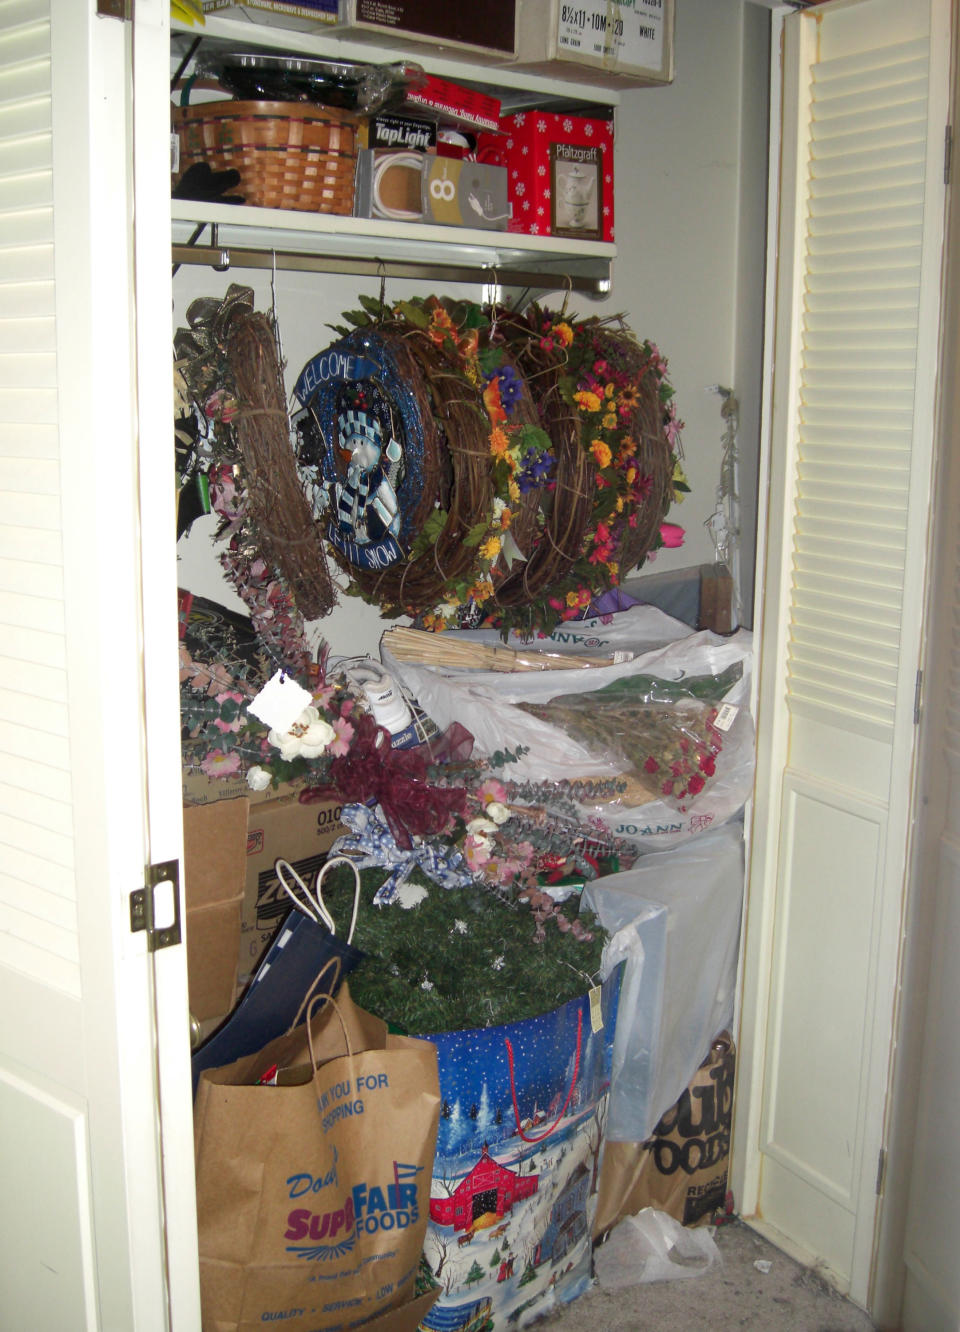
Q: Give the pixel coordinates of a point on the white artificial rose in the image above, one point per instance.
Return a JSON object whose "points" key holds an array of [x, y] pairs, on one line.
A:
{"points": [[258, 779], [499, 813], [307, 737], [481, 827]]}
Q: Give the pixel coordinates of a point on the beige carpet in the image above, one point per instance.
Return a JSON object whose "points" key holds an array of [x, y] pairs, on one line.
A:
{"points": [[734, 1295]]}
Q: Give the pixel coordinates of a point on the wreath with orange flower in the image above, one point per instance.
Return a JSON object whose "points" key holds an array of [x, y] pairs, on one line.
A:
{"points": [[557, 458]]}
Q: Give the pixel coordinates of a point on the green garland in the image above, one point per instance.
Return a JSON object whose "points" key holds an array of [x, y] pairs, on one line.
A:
{"points": [[461, 958]]}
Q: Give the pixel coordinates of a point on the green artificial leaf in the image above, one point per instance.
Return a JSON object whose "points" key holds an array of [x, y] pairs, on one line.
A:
{"points": [[429, 533], [413, 314], [476, 534], [681, 485], [605, 504], [340, 329], [474, 317], [490, 358], [533, 437], [373, 306], [357, 318]]}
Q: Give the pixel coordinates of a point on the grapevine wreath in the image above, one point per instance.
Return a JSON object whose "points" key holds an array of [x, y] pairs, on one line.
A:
{"points": [[476, 467]]}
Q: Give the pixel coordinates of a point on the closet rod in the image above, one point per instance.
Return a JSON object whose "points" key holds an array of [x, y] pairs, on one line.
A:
{"points": [[222, 257]]}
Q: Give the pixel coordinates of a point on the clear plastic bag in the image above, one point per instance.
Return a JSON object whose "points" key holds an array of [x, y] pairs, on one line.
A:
{"points": [[652, 1246]]}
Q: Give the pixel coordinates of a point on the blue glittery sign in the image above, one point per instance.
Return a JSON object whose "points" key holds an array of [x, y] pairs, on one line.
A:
{"points": [[360, 449]]}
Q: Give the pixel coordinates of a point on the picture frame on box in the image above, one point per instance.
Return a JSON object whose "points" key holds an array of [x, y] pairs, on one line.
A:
{"points": [[576, 190]]}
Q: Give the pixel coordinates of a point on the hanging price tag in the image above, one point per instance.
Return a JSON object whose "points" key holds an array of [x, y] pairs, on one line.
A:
{"points": [[280, 702], [596, 1010], [726, 715]]}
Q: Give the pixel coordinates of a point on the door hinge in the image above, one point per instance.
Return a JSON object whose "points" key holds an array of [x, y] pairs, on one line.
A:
{"points": [[156, 907], [917, 692], [118, 9], [881, 1170], [947, 153]]}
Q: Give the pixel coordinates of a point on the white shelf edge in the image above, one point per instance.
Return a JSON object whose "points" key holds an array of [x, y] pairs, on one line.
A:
{"points": [[288, 229]]}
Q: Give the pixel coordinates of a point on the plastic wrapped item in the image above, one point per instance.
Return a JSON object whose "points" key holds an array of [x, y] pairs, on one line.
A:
{"points": [[664, 736], [675, 917], [253, 77], [652, 1246], [487, 703]]}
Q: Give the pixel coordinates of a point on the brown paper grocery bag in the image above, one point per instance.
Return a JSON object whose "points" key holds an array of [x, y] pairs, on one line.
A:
{"points": [[682, 1168], [313, 1194]]}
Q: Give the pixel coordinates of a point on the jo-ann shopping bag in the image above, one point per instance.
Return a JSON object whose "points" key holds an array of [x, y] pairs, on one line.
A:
{"points": [[312, 1194], [518, 1158]]}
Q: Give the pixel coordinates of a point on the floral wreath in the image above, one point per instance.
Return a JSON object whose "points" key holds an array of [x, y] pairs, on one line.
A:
{"points": [[571, 495]]}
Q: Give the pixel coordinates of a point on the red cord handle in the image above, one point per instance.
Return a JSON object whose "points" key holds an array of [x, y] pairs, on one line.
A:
{"points": [[573, 1083]]}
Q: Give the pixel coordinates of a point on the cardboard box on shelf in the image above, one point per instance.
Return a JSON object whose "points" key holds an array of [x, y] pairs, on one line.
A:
{"points": [[199, 789], [560, 173], [214, 871], [487, 27], [297, 15], [629, 43], [283, 829], [454, 104]]}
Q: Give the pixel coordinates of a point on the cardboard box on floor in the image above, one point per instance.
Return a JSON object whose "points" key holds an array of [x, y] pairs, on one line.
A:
{"points": [[282, 829]]}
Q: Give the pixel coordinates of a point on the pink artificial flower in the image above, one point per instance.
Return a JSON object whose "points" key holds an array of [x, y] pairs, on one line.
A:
{"points": [[344, 730], [219, 764], [322, 697], [219, 723], [672, 535], [492, 790], [477, 851]]}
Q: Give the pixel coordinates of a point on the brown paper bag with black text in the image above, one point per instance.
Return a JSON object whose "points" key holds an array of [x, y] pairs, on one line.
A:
{"points": [[682, 1168], [313, 1194]]}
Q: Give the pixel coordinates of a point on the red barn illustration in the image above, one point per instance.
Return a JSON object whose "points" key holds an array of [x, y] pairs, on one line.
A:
{"points": [[489, 1187]]}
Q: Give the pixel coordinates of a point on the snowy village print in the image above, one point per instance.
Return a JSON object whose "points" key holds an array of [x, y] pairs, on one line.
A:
{"points": [[518, 1157], [359, 451]]}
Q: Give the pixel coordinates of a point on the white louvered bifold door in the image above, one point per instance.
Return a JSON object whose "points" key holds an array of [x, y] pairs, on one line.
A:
{"points": [[81, 1238], [862, 205]]}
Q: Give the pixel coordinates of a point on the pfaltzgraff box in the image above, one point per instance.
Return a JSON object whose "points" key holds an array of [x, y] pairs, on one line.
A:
{"points": [[560, 173], [419, 187], [487, 26], [631, 42], [285, 829]]}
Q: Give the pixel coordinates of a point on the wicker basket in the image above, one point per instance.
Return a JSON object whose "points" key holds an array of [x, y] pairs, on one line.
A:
{"points": [[289, 154]]}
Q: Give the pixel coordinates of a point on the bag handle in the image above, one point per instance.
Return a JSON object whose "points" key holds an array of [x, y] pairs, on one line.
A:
{"points": [[573, 1083], [325, 999], [313, 988], [314, 906]]}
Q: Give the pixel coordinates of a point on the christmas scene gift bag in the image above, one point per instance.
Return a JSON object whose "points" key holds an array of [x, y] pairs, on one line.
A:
{"points": [[518, 1157], [313, 1186]]}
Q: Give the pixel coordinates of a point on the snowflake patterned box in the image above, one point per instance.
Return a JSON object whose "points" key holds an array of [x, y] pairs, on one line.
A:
{"points": [[560, 173]]}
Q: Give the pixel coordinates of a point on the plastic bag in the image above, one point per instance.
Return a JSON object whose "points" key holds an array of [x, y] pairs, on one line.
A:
{"points": [[485, 702], [652, 1246], [675, 917]]}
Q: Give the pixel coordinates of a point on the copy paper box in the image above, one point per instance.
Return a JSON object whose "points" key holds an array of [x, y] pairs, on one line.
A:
{"points": [[214, 872], [628, 44], [560, 173], [285, 829]]}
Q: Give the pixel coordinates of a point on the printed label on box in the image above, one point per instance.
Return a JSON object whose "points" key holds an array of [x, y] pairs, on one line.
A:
{"points": [[576, 191], [630, 33]]}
